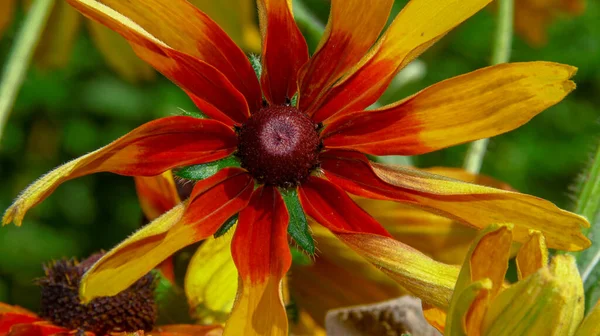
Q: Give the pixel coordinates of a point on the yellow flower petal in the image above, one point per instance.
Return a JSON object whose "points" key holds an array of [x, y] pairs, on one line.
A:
{"points": [[7, 11], [56, 43], [137, 255], [211, 280], [236, 18], [435, 316], [457, 322], [532, 256], [591, 324], [487, 259], [426, 278], [118, 54], [439, 237], [548, 302]]}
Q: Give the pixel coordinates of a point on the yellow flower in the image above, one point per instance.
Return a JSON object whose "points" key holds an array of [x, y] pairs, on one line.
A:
{"points": [[236, 17], [547, 299], [532, 17]]}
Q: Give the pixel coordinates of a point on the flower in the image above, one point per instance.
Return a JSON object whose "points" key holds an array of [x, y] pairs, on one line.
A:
{"points": [[131, 312], [312, 152], [64, 24], [532, 17], [547, 299]]}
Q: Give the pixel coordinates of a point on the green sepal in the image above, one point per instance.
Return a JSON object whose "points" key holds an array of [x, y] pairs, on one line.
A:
{"points": [[195, 114], [298, 225], [299, 257], [206, 170], [226, 226], [256, 63]]}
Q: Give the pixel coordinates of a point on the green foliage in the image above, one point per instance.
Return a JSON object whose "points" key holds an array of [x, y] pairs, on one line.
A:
{"points": [[226, 226], [206, 170], [298, 225]]}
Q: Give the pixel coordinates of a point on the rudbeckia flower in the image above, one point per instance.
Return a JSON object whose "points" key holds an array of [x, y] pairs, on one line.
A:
{"points": [[533, 17], [64, 23], [547, 299], [131, 312], [272, 162]]}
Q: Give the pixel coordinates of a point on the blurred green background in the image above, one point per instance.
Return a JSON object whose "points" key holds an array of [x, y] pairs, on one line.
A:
{"points": [[62, 114]]}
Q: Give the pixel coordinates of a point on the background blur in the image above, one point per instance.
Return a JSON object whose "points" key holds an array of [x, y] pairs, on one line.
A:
{"points": [[63, 113]]}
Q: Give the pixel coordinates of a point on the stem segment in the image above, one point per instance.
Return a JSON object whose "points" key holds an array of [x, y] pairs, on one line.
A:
{"points": [[500, 54], [20, 56]]}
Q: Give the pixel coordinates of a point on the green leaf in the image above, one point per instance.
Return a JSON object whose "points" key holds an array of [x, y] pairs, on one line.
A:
{"points": [[226, 226], [298, 225], [588, 205], [299, 257], [195, 114], [206, 170]]}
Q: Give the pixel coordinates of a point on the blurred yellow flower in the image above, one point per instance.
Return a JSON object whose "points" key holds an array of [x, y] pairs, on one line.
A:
{"points": [[236, 17], [547, 299], [532, 17]]}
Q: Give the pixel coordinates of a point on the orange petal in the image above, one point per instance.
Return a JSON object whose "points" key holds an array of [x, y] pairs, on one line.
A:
{"points": [[532, 256], [7, 11], [284, 50], [9, 319], [118, 54], [332, 208], [188, 47], [420, 24], [157, 194], [342, 46], [262, 256], [41, 328], [436, 317], [478, 105], [477, 206], [148, 150], [212, 202]]}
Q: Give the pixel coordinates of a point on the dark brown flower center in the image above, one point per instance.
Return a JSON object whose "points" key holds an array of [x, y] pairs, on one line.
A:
{"points": [[279, 146], [132, 310]]}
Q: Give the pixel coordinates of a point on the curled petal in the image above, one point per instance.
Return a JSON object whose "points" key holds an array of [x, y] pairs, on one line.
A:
{"points": [[189, 48], [345, 42], [330, 206], [478, 105], [261, 254], [419, 25], [212, 202], [477, 206], [492, 244], [148, 150], [211, 280], [548, 302], [284, 50], [532, 256]]}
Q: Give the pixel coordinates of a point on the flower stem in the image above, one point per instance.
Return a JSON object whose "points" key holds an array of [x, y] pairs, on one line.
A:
{"points": [[500, 54], [20, 56]]}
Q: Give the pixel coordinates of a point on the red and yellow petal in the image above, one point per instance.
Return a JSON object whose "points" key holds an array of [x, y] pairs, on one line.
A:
{"points": [[188, 330], [331, 207], [188, 47], [13, 315], [471, 204], [342, 46], [419, 25], [157, 194], [261, 254], [41, 328], [212, 202], [148, 150], [284, 50], [477, 105]]}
